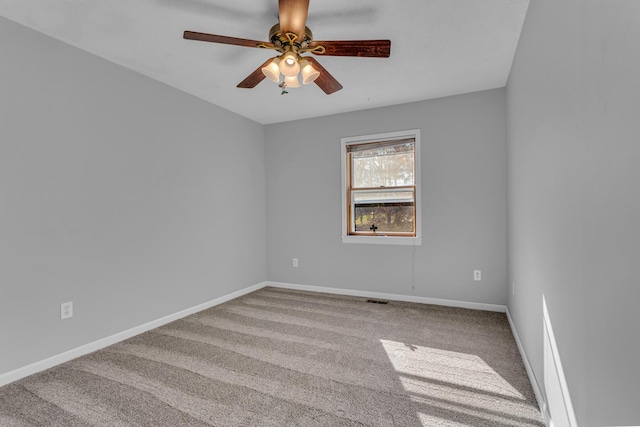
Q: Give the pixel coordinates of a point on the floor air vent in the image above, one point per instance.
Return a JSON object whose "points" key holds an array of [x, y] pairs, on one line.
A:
{"points": [[377, 301]]}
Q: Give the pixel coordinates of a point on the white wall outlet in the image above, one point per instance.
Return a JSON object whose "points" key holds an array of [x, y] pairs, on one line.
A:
{"points": [[477, 275], [295, 262], [66, 310]]}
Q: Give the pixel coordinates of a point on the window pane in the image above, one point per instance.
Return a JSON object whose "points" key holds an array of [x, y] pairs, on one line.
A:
{"points": [[383, 211], [383, 167]]}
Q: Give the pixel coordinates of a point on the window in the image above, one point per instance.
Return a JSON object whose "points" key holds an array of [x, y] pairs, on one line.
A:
{"points": [[380, 199]]}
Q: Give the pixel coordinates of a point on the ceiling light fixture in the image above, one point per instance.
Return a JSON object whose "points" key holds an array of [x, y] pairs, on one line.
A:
{"points": [[272, 71], [292, 81], [291, 66], [309, 74]]}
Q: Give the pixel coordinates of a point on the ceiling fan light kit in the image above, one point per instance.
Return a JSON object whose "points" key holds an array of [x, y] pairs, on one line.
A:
{"points": [[291, 37], [290, 67]]}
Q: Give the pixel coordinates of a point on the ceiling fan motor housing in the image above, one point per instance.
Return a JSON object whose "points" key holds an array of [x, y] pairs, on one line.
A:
{"points": [[283, 43]]}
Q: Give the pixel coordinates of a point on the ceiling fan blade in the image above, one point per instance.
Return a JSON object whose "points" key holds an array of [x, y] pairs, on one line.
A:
{"points": [[204, 37], [325, 81], [254, 78], [362, 48], [293, 16]]}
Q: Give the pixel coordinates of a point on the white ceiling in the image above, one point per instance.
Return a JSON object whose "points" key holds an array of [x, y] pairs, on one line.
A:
{"points": [[438, 47]]}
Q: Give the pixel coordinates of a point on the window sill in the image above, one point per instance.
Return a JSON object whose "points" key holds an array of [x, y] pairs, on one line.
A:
{"points": [[383, 240]]}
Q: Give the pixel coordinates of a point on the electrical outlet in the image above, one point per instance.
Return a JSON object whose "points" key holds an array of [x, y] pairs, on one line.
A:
{"points": [[295, 262], [513, 288], [477, 275], [66, 310]]}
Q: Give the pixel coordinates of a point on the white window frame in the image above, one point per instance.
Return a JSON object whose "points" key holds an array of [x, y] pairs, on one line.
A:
{"points": [[382, 240]]}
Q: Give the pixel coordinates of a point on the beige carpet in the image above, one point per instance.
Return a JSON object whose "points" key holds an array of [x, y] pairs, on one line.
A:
{"points": [[291, 358]]}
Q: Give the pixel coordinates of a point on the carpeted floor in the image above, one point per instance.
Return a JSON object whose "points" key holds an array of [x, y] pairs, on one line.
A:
{"points": [[278, 357]]}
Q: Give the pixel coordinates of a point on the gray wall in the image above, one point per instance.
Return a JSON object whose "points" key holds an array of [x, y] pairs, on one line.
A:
{"points": [[574, 198], [463, 202], [131, 199]]}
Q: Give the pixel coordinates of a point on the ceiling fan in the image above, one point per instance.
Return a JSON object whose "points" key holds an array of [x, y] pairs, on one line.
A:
{"points": [[291, 38]]}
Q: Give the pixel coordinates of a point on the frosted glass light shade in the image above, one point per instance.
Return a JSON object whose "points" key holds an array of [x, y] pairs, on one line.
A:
{"points": [[292, 81], [289, 66], [309, 74], [272, 71]]}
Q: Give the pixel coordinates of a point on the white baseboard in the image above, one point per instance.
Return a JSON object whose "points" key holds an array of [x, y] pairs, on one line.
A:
{"points": [[392, 297], [52, 361], [532, 378], [557, 390]]}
